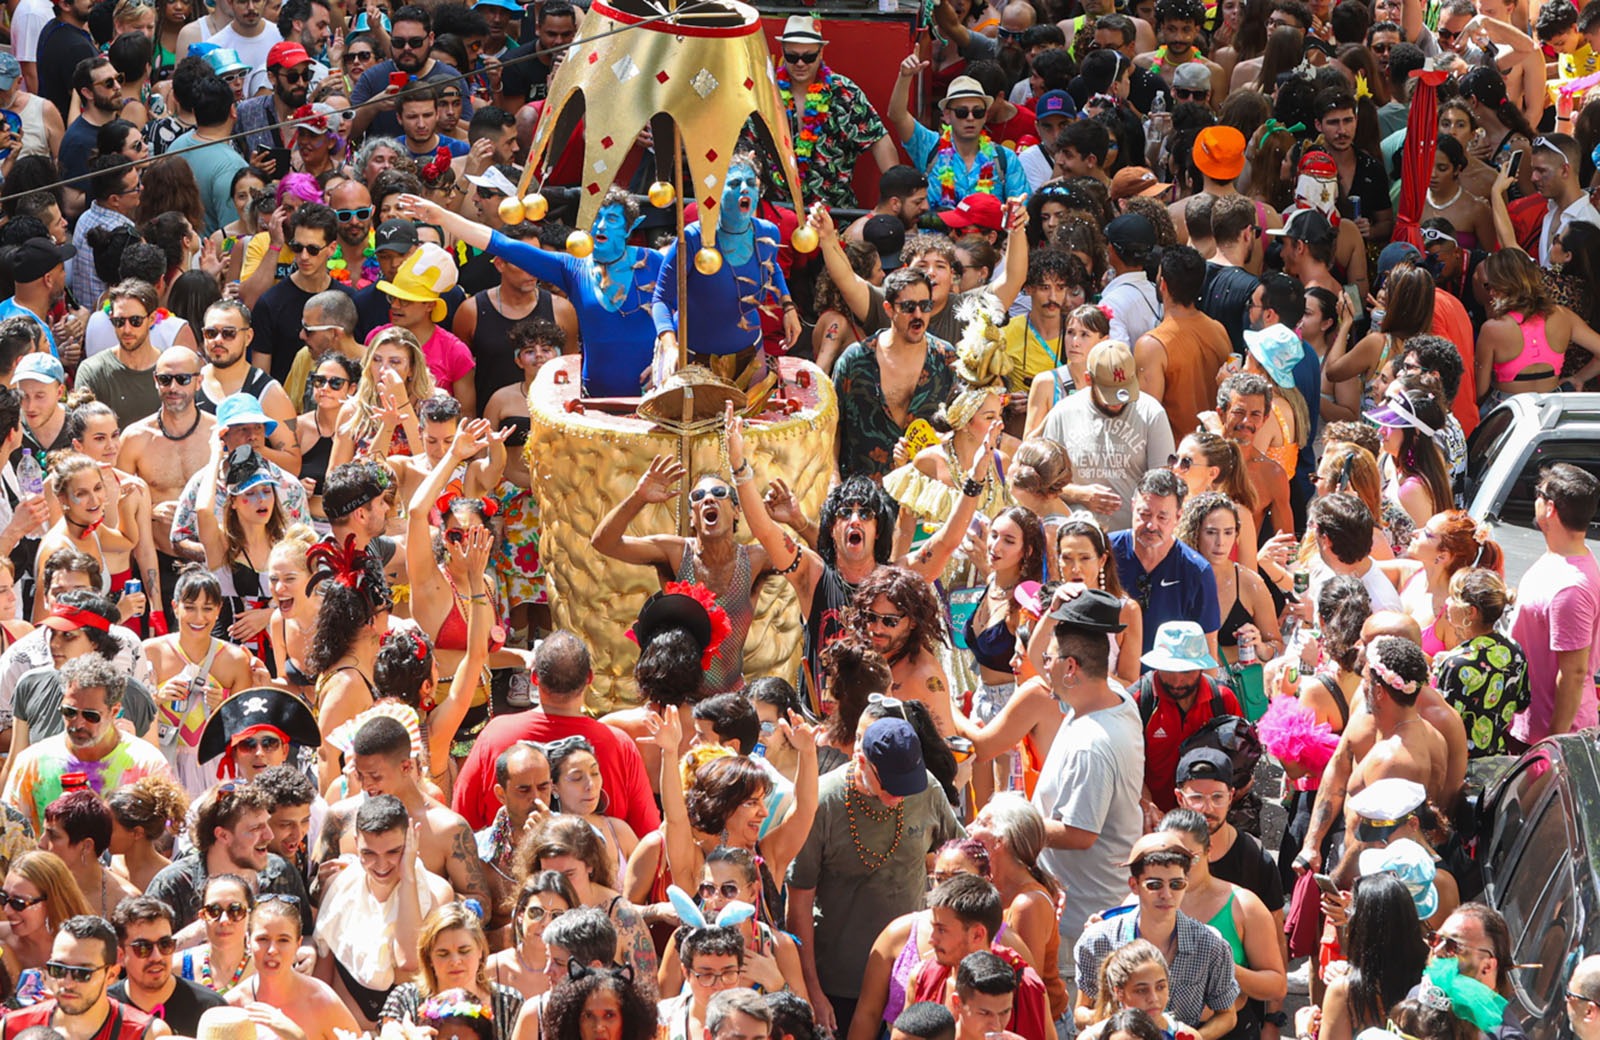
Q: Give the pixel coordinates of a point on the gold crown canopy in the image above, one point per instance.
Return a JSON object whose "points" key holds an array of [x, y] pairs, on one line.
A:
{"points": [[703, 63]]}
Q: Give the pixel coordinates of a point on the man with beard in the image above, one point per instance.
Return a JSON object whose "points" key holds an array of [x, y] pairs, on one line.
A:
{"points": [[289, 70], [1205, 784], [854, 538], [897, 612], [411, 37], [352, 205], [1176, 699], [1243, 402], [38, 273], [90, 741], [122, 378], [98, 88], [311, 231], [887, 382], [1363, 184], [63, 44], [169, 447], [39, 378], [1171, 581], [83, 961], [227, 335], [144, 931], [1114, 434], [249, 35], [1178, 360], [1177, 26], [1307, 249], [1038, 342], [232, 836], [711, 555]]}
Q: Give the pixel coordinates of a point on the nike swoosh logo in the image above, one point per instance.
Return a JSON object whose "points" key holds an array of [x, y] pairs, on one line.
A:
{"points": [[1169, 584]]}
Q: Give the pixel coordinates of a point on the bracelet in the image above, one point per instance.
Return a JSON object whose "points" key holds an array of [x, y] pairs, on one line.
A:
{"points": [[794, 564], [971, 488], [478, 597], [744, 473]]}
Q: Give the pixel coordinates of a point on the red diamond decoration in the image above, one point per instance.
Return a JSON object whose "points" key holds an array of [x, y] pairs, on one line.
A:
{"points": [[606, 142], [662, 77], [709, 203], [593, 188], [594, 56], [711, 155], [748, 83]]}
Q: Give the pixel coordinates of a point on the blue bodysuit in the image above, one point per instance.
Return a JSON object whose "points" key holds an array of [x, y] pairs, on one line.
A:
{"points": [[724, 318]]}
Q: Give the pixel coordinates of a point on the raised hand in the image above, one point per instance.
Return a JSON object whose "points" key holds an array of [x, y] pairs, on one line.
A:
{"points": [[912, 66], [782, 504], [659, 482], [666, 729], [418, 208], [471, 437], [735, 434]]}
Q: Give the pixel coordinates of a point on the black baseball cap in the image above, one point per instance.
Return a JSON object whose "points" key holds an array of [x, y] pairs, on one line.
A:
{"points": [[35, 258], [396, 236]]}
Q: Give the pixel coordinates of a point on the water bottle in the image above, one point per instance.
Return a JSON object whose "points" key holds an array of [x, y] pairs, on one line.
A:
{"points": [[30, 478]]}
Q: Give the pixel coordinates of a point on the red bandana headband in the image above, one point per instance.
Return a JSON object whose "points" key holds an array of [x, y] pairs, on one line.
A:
{"points": [[82, 618]]}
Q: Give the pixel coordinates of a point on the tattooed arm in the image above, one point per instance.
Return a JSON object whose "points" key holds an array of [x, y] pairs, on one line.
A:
{"points": [[463, 868], [635, 948], [1330, 802]]}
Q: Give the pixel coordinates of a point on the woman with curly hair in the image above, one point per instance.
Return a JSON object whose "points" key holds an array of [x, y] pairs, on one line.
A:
{"points": [[170, 187], [599, 996], [1521, 348], [1084, 326], [351, 617], [41, 882], [836, 327], [381, 420], [1207, 461], [570, 846], [142, 818], [541, 899], [454, 953], [726, 804]]}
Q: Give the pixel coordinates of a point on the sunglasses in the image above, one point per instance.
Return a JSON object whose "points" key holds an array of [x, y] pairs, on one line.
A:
{"points": [[1450, 946], [145, 947], [91, 717], [233, 77], [223, 332], [76, 972], [856, 511], [1381, 48], [352, 57], [1445, 35], [293, 76], [967, 113], [796, 58], [136, 320], [489, 193], [263, 743], [729, 890], [456, 536], [347, 215], [114, 81], [181, 378], [215, 912], [884, 702], [872, 617], [718, 491], [408, 43], [1156, 884], [1183, 94], [302, 247], [914, 306], [1181, 463], [536, 912], [331, 382], [17, 904], [1008, 34]]}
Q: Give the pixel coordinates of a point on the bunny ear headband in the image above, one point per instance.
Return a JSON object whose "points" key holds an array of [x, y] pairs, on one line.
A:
{"points": [[691, 915]]}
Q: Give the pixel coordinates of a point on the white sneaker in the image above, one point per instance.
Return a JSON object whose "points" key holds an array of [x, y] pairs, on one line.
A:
{"points": [[1300, 978]]}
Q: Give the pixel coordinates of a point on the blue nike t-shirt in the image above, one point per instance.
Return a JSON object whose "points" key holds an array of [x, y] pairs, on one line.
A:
{"points": [[1181, 588]]}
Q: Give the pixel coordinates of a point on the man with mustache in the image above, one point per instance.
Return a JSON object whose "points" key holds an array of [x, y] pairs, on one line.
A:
{"points": [[82, 966], [1176, 699], [897, 612], [1178, 26], [1243, 403], [1171, 581], [1038, 342]]}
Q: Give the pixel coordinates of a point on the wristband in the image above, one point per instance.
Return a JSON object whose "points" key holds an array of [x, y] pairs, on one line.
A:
{"points": [[970, 488], [744, 473]]}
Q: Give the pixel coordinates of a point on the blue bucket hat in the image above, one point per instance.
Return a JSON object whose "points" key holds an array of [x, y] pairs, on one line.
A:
{"points": [[225, 62], [1180, 646], [1413, 865], [1277, 348], [244, 410]]}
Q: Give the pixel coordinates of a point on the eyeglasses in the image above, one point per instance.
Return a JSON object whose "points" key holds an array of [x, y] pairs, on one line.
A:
{"points": [[536, 912], [136, 320], [729, 890], [914, 306], [872, 617], [714, 978], [17, 904], [295, 76], [266, 742], [1185, 94], [138, 186], [181, 378], [715, 491], [347, 215], [79, 973], [1156, 884], [145, 947], [1179, 463], [90, 716], [1449, 946], [408, 43], [225, 333], [215, 912], [967, 113], [331, 382], [796, 58]]}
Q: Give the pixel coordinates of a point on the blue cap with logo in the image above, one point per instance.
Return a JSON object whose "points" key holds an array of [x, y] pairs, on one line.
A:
{"points": [[1055, 103]]}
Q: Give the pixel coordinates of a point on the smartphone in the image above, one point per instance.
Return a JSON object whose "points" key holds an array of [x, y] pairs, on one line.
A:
{"points": [[280, 160], [1514, 164], [1325, 883], [399, 79]]}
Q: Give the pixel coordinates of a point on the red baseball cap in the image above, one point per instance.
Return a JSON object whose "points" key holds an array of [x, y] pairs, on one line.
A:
{"points": [[286, 55], [982, 211]]}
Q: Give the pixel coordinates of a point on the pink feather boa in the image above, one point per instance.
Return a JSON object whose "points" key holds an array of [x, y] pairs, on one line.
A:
{"points": [[1291, 732]]}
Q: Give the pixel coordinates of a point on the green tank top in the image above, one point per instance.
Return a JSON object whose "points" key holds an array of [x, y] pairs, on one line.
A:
{"points": [[1223, 923]]}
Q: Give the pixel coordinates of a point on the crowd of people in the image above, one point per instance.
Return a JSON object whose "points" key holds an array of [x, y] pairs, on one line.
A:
{"points": [[1147, 513]]}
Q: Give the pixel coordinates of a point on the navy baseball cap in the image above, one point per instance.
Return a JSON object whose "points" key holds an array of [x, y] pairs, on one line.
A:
{"points": [[1055, 103], [895, 753]]}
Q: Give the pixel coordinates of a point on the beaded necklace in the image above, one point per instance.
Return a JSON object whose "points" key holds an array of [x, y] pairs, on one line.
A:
{"points": [[208, 982], [819, 100], [942, 171], [851, 796]]}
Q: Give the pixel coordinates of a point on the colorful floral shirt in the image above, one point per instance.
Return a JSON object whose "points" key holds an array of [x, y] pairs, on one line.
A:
{"points": [[1486, 681], [826, 152], [867, 432]]}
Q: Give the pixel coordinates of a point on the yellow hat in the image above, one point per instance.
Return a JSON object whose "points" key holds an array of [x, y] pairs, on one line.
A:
{"points": [[426, 275]]}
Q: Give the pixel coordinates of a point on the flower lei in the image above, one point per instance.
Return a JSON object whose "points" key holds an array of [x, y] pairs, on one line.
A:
{"points": [[1160, 59], [819, 101], [943, 170], [339, 267]]}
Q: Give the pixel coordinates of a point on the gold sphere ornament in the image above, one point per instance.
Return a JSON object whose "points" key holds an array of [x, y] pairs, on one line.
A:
{"points": [[805, 239], [579, 244], [535, 206], [512, 211], [708, 261], [662, 193]]}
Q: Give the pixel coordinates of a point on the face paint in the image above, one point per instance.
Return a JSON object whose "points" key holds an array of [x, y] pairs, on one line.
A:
{"points": [[741, 193], [610, 234]]}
